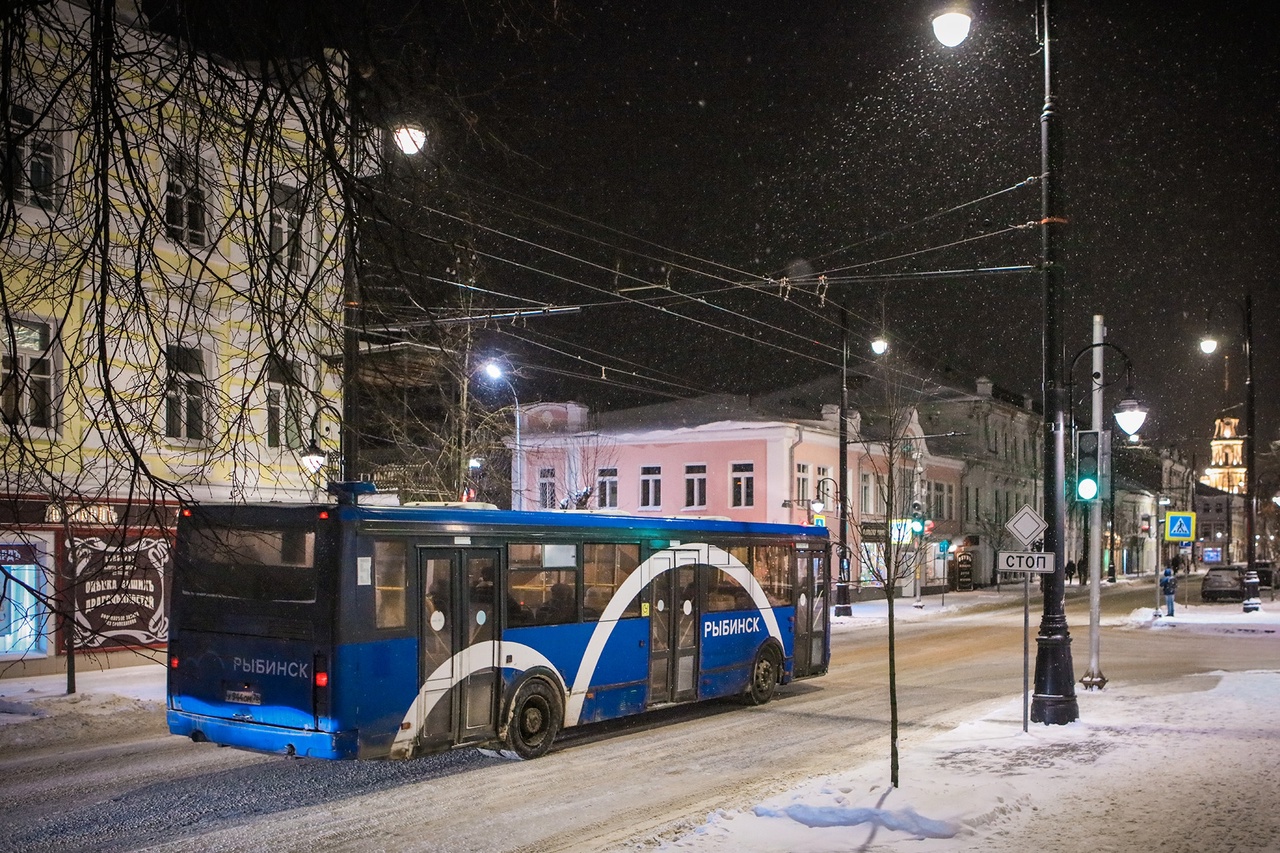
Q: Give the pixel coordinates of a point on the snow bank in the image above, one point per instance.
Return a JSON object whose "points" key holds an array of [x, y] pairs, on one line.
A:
{"points": [[987, 785]]}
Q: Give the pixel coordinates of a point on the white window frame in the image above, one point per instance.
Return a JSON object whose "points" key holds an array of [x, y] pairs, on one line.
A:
{"points": [[650, 487], [547, 488], [284, 405], [32, 166], [28, 375], [802, 481], [607, 488], [742, 484], [695, 486], [186, 206], [186, 393], [285, 223]]}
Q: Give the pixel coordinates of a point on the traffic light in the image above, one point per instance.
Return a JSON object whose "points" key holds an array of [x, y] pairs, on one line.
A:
{"points": [[917, 518], [1088, 464]]}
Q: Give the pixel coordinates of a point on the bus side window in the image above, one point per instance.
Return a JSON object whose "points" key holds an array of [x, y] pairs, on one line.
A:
{"points": [[389, 574], [771, 565], [605, 567]]}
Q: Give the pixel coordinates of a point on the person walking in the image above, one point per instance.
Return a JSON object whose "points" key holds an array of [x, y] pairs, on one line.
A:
{"points": [[1071, 571], [1169, 586]]}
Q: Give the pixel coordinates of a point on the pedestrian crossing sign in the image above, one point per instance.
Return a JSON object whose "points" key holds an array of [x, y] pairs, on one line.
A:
{"points": [[1179, 526]]}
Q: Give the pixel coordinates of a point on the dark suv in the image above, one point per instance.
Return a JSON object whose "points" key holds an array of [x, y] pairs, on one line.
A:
{"points": [[1222, 582], [1227, 582]]}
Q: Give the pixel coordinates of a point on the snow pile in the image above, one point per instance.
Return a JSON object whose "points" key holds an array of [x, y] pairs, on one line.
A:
{"points": [[989, 786], [79, 718], [1212, 619]]}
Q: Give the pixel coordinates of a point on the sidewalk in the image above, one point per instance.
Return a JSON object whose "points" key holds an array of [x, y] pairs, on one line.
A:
{"points": [[144, 682]]}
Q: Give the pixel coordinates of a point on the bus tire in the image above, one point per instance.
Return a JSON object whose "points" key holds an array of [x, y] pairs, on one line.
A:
{"points": [[537, 713], [765, 670]]}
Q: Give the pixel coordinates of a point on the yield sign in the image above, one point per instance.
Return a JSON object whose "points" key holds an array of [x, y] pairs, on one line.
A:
{"points": [[1027, 525]]}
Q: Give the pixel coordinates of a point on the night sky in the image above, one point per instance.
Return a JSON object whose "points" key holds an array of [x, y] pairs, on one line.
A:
{"points": [[710, 149], [744, 142]]}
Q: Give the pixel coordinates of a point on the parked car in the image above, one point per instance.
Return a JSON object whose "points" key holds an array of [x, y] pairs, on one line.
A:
{"points": [[1223, 582], [1227, 582]]}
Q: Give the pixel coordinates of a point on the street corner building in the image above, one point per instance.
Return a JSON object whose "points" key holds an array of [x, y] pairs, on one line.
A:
{"points": [[173, 243]]}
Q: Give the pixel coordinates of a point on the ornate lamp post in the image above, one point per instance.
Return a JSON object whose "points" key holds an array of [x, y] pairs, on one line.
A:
{"points": [[1054, 699]]}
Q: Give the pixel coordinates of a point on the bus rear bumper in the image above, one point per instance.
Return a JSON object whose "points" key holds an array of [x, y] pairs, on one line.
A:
{"points": [[263, 738]]}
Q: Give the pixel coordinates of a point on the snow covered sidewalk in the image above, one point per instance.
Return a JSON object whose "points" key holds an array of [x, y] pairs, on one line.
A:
{"points": [[1191, 765]]}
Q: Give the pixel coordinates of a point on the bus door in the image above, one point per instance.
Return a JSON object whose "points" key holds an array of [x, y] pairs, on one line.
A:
{"points": [[673, 631], [810, 643], [458, 613]]}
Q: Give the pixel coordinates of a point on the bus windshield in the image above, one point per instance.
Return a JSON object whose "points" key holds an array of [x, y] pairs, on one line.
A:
{"points": [[259, 564]]}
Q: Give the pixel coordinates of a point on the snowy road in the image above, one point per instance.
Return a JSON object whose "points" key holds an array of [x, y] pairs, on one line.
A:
{"points": [[114, 780]]}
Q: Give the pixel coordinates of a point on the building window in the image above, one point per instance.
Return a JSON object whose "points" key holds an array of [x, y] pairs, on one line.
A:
{"points": [[823, 486], [26, 374], [286, 227], [184, 202], [547, 488], [695, 486], [942, 499], [30, 168], [802, 481], [743, 483], [651, 486], [284, 405], [607, 488], [184, 399]]}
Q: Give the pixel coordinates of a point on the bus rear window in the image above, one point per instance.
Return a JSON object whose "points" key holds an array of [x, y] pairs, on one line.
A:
{"points": [[253, 564]]}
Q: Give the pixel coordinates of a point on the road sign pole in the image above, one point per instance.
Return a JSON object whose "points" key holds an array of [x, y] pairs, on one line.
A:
{"points": [[1026, 649]]}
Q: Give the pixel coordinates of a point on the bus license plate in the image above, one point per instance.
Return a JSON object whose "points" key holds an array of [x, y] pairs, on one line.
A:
{"points": [[244, 697]]}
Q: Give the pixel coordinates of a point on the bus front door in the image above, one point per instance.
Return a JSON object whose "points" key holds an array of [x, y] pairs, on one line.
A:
{"points": [[457, 660], [673, 632]]}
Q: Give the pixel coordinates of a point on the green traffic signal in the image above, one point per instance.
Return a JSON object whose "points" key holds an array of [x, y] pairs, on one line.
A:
{"points": [[1088, 464], [917, 518]]}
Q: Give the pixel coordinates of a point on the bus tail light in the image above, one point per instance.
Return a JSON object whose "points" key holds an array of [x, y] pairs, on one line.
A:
{"points": [[320, 689], [173, 661]]}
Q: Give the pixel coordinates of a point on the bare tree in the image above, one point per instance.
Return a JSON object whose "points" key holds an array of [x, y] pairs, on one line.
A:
{"points": [[178, 269], [889, 437]]}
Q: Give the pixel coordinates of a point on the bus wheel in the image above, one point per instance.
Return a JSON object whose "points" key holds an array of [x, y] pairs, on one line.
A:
{"points": [[764, 677], [536, 717]]}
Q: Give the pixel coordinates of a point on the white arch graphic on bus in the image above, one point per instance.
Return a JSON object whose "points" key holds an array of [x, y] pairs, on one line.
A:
{"points": [[481, 656], [449, 674], [659, 562]]}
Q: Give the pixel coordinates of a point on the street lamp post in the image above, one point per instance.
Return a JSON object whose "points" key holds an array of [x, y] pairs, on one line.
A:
{"points": [[843, 605], [1054, 699], [494, 371], [1208, 345]]}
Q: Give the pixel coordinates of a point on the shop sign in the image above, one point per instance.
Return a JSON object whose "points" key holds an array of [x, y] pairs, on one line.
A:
{"points": [[119, 591]]}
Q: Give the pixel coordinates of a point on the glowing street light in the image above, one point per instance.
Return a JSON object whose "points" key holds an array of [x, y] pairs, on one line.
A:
{"points": [[410, 138], [495, 372], [951, 23]]}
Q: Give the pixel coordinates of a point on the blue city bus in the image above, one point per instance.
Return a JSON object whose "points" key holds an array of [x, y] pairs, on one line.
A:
{"points": [[358, 631]]}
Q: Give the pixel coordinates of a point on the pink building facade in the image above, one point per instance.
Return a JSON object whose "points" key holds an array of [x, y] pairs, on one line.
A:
{"points": [[724, 457]]}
